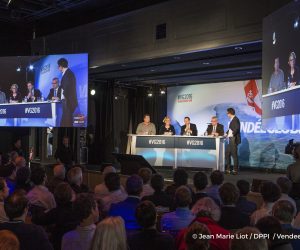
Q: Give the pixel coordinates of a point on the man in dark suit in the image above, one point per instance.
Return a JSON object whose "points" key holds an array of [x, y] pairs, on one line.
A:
{"points": [[55, 91], [189, 128], [33, 94], [234, 139], [215, 128], [69, 93]]}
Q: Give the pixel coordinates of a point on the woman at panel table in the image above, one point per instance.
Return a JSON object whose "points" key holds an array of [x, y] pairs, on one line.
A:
{"points": [[15, 95], [293, 77], [167, 128]]}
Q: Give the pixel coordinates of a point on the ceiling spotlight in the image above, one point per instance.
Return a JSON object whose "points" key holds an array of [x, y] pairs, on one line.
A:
{"points": [[162, 92], [274, 38], [206, 63], [150, 93], [93, 92], [238, 48], [177, 57], [296, 23], [152, 70], [31, 67], [18, 69]]}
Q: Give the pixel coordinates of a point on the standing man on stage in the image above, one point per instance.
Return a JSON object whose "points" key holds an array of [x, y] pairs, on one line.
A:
{"points": [[69, 93], [189, 128], [146, 127], [234, 139], [215, 128], [55, 91]]}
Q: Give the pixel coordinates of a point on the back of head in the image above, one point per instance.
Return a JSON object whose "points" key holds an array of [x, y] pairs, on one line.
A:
{"points": [[243, 186], [63, 194], [134, 185], [216, 177], [75, 175], [145, 214], [180, 177], [248, 243], [145, 174], [229, 194], [16, 205], [269, 225], [38, 176], [112, 181], [207, 207], [183, 196], [8, 170], [8, 240], [200, 180], [285, 184], [84, 205], [110, 234], [23, 175], [198, 229], [283, 210], [270, 191], [108, 169], [157, 182], [20, 162], [59, 171]]}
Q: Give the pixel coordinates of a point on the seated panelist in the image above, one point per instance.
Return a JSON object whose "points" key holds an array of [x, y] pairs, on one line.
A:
{"points": [[146, 127], [15, 95], [189, 128], [55, 91], [33, 94], [215, 128], [167, 128]]}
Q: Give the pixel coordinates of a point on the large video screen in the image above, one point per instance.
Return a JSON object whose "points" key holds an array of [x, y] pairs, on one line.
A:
{"points": [[44, 91], [281, 68]]}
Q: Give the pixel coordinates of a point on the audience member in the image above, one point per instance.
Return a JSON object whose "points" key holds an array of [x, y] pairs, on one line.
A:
{"points": [[243, 205], [208, 213], [23, 179], [245, 240], [149, 238], [159, 198], [126, 208], [9, 172], [271, 226], [293, 173], [285, 186], [112, 182], [20, 162], [4, 191], [110, 234], [17, 147], [8, 240], [39, 195], [284, 211], [216, 179], [59, 175], [197, 243], [75, 180], [30, 236], [62, 218], [200, 184], [146, 174], [270, 193], [180, 178], [174, 221], [87, 213], [13, 155], [231, 217]]}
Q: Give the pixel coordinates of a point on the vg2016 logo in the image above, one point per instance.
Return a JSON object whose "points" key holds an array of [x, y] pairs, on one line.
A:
{"points": [[185, 98]]}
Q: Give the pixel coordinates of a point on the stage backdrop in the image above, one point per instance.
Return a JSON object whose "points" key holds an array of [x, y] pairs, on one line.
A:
{"points": [[259, 148]]}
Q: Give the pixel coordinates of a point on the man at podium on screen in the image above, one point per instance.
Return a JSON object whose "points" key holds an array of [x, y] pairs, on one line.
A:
{"points": [[189, 128], [146, 127], [215, 128]]}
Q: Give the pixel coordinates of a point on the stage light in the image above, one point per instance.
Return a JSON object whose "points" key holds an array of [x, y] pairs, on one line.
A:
{"points": [[18, 69], [296, 23], [93, 92], [150, 94], [31, 67], [162, 92], [274, 38]]}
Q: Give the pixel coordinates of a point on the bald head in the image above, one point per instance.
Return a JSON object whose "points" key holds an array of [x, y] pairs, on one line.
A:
{"points": [[59, 171]]}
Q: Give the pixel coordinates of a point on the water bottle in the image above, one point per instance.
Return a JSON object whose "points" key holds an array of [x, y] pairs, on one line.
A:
{"points": [[42, 98]]}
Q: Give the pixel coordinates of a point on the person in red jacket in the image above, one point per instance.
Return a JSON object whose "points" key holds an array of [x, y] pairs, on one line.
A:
{"points": [[208, 213]]}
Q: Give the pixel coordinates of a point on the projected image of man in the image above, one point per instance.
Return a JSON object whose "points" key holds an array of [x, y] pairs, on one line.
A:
{"points": [[33, 94], [215, 128], [2, 97], [55, 91], [69, 93], [277, 78], [293, 77]]}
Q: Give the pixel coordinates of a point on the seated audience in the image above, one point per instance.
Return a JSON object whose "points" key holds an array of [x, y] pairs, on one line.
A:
{"points": [[149, 238], [4, 191], [8, 241], [283, 210], [30, 236], [87, 213], [270, 193], [216, 179], [23, 179], [13, 155], [115, 195], [39, 195], [293, 173], [160, 199], [9, 173], [208, 213], [243, 205], [285, 186], [248, 242], [271, 226], [200, 184], [20, 162], [174, 221], [62, 218], [146, 174], [231, 217], [59, 175], [180, 178], [110, 234], [75, 180], [197, 243], [126, 208]]}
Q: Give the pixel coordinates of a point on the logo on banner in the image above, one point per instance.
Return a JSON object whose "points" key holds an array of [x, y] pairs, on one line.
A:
{"points": [[194, 143], [2, 111], [252, 96], [185, 98], [157, 142], [45, 68], [36, 110]]}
